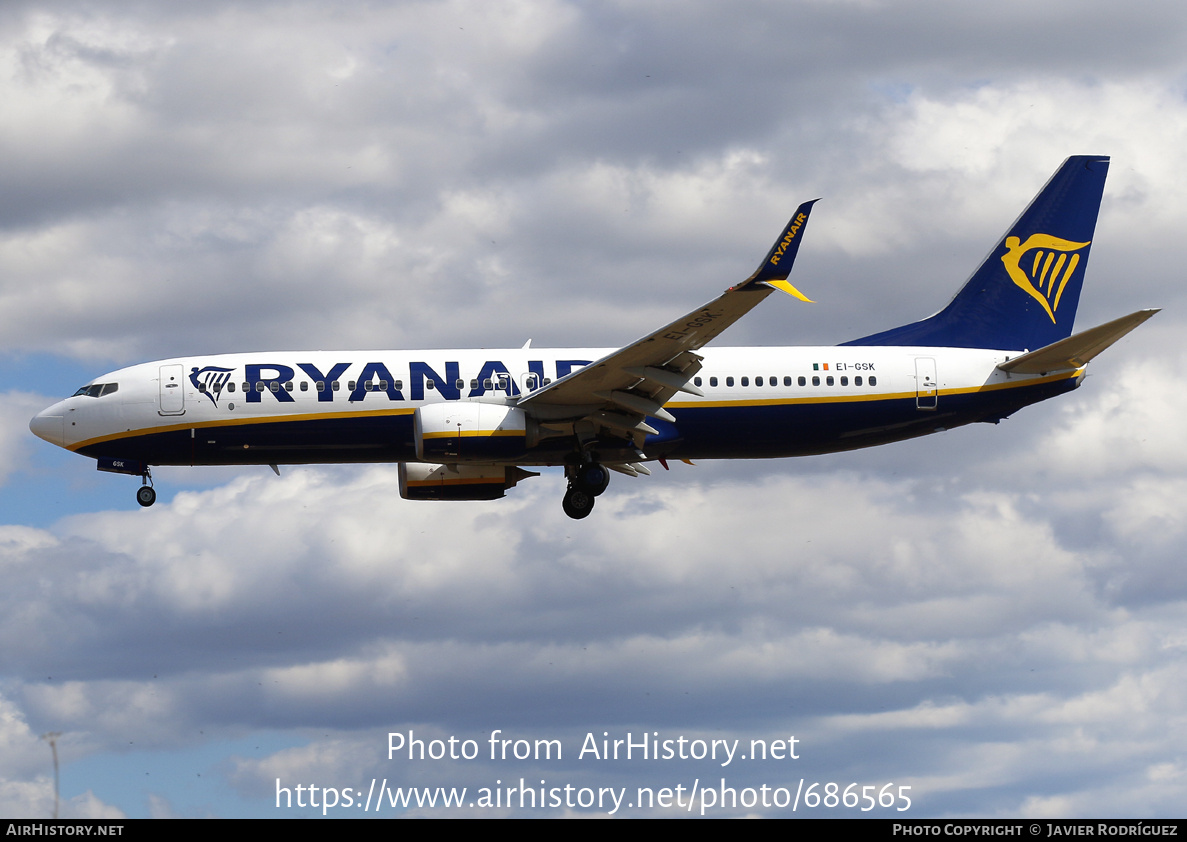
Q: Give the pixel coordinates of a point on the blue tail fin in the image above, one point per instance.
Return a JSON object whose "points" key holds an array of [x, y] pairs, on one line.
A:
{"points": [[1024, 295]]}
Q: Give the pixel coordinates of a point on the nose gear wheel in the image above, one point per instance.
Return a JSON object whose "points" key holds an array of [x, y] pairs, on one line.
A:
{"points": [[146, 495]]}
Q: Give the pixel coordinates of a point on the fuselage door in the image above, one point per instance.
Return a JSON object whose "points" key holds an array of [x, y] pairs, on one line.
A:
{"points": [[927, 390], [172, 390]]}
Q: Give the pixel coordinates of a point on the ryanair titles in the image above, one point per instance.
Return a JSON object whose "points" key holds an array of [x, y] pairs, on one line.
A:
{"points": [[346, 381], [792, 230]]}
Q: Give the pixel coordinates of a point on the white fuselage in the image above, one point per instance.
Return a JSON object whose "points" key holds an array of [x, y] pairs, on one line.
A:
{"points": [[348, 406]]}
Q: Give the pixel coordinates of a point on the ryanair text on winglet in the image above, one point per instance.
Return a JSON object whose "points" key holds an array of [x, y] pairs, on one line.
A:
{"points": [[792, 230]]}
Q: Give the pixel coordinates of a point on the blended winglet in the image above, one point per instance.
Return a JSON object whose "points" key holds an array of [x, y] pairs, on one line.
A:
{"points": [[776, 266], [631, 384]]}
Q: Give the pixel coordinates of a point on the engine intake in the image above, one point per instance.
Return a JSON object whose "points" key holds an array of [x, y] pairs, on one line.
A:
{"points": [[471, 432]]}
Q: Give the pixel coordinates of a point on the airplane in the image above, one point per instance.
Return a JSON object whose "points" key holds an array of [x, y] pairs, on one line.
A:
{"points": [[469, 424]]}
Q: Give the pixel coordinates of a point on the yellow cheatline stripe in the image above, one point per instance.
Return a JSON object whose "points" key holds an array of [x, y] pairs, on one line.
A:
{"points": [[997, 387], [463, 481], [466, 434], [789, 401], [379, 413], [243, 421]]}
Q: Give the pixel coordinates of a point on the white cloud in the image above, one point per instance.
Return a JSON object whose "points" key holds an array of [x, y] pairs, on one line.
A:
{"points": [[449, 613], [1126, 422], [26, 773], [16, 409]]}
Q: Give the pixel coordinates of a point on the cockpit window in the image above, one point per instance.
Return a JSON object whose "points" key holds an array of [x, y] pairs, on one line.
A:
{"points": [[97, 390]]}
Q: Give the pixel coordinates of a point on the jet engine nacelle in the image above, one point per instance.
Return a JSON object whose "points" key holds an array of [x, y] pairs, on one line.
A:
{"points": [[458, 482], [470, 431]]}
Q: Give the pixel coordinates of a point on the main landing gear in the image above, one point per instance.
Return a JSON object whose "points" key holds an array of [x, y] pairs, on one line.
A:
{"points": [[586, 481]]}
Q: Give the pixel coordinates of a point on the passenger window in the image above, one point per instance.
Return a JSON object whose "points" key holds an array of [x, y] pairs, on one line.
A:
{"points": [[729, 381], [274, 386], [304, 385], [487, 384], [815, 380], [786, 381], [696, 381], [320, 385], [712, 381], [745, 381], [828, 381], [802, 381], [351, 385], [430, 384], [844, 381], [873, 380], [857, 380], [459, 384], [288, 385], [757, 381], [474, 383], [334, 386], [368, 386], [259, 385], [231, 387]]}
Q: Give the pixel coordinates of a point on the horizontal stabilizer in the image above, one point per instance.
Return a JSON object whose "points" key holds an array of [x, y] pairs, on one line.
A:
{"points": [[1075, 351]]}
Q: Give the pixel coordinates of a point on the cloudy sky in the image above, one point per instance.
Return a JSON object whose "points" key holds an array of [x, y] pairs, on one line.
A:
{"points": [[995, 617]]}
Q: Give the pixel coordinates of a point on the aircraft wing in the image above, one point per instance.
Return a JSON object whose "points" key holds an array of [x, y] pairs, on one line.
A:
{"points": [[621, 389]]}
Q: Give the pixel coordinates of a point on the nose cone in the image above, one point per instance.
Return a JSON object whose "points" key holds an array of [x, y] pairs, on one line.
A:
{"points": [[49, 425]]}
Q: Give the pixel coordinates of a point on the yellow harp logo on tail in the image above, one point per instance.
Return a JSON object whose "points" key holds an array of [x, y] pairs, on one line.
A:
{"points": [[1044, 275]]}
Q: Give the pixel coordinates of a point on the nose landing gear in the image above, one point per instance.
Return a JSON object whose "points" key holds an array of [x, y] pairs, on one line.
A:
{"points": [[146, 495]]}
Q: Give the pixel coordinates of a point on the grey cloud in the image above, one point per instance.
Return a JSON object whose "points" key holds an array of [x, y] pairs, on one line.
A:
{"points": [[209, 123]]}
